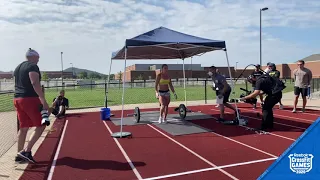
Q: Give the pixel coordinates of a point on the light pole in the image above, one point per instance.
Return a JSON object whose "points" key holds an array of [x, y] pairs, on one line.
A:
{"points": [[72, 70], [263, 9], [61, 68], [236, 66]]}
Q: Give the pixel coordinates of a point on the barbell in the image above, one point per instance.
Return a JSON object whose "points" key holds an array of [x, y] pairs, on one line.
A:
{"points": [[182, 110]]}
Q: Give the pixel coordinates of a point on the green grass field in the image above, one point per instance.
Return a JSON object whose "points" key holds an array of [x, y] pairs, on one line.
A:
{"points": [[94, 97]]}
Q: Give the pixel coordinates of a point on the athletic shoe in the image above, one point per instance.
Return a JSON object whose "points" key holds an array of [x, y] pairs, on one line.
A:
{"points": [[294, 111], [18, 159], [220, 120], [160, 120], [26, 156], [303, 110]]}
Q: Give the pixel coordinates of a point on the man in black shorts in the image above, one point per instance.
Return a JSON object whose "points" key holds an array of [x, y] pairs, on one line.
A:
{"points": [[223, 90], [60, 105], [302, 77], [272, 87]]}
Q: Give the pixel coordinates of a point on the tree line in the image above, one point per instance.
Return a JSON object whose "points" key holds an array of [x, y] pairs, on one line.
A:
{"points": [[82, 75]]}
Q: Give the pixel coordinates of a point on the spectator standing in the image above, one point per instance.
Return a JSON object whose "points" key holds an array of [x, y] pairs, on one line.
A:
{"points": [[302, 80]]}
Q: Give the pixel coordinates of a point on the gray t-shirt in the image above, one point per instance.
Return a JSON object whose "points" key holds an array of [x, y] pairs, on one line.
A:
{"points": [[302, 77], [218, 81]]}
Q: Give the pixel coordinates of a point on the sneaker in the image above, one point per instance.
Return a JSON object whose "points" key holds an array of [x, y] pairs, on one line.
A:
{"points": [[303, 110], [220, 120], [26, 156], [18, 159], [160, 120], [254, 106], [294, 110]]}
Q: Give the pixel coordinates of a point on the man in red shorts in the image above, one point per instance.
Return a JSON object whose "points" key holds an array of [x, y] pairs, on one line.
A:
{"points": [[27, 100]]}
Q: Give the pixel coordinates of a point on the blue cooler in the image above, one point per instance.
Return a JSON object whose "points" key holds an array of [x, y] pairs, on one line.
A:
{"points": [[105, 114]]}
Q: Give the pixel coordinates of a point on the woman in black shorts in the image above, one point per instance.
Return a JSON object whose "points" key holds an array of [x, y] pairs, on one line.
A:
{"points": [[163, 82]]}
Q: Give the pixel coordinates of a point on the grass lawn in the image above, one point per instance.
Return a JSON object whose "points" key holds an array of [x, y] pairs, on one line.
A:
{"points": [[93, 97]]}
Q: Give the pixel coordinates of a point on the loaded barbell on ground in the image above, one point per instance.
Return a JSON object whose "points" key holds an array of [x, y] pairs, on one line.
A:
{"points": [[181, 109]]}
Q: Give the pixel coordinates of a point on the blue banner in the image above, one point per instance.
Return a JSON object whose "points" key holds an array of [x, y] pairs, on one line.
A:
{"points": [[301, 160]]}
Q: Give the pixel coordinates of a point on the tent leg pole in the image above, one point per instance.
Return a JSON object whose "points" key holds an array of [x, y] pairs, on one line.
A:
{"points": [[106, 103], [232, 83], [184, 84], [123, 84], [121, 133]]}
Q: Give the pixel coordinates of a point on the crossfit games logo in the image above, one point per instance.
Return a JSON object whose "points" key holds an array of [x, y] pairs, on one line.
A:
{"points": [[300, 163]]}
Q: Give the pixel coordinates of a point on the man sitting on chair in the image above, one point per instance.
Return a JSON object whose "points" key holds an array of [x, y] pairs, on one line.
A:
{"points": [[60, 105]]}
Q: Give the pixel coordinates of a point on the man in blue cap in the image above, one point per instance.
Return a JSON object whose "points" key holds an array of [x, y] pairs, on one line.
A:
{"points": [[253, 79], [275, 73]]}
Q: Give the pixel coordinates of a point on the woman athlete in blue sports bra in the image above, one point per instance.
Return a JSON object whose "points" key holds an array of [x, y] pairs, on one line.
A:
{"points": [[163, 82]]}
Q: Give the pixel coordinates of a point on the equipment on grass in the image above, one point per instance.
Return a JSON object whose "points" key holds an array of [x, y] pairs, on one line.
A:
{"points": [[181, 109]]}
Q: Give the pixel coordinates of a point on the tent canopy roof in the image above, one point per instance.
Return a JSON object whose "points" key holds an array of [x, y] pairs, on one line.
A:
{"points": [[164, 43]]}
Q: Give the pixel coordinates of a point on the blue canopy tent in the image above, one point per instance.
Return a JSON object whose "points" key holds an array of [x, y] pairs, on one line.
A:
{"points": [[164, 43]]}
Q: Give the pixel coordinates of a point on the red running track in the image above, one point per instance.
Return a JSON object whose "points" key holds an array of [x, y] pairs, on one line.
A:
{"points": [[88, 151]]}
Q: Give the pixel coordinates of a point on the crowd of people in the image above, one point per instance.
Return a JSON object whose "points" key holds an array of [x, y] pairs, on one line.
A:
{"points": [[29, 97], [262, 83]]}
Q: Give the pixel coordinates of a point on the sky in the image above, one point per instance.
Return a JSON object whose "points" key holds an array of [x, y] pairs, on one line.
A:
{"points": [[88, 31]]}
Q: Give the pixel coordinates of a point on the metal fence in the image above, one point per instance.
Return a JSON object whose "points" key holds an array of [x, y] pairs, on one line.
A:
{"points": [[85, 95], [8, 122]]}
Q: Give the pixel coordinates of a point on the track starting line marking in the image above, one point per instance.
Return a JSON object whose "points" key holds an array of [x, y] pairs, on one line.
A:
{"points": [[209, 169]]}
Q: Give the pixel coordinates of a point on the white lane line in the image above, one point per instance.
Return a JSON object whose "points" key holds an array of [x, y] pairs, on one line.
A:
{"points": [[210, 169], [194, 153], [134, 169], [54, 162]]}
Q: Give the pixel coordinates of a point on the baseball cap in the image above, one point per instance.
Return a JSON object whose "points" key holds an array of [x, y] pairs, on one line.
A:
{"points": [[271, 64], [32, 52]]}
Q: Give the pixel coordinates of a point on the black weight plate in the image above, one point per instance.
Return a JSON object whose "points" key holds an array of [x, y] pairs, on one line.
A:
{"points": [[182, 111], [137, 114]]}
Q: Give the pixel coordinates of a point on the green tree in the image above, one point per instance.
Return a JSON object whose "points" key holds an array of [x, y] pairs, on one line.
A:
{"points": [[94, 76], [83, 75], [44, 76], [140, 77], [120, 75]]}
